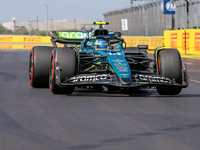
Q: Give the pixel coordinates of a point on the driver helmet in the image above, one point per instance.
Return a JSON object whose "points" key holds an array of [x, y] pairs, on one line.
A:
{"points": [[100, 44]]}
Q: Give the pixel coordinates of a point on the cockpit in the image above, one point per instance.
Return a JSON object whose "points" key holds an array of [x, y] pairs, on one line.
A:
{"points": [[103, 44]]}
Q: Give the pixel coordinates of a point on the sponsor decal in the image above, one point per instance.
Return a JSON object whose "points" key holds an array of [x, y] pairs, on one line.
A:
{"points": [[29, 46], [5, 39], [89, 78], [73, 35], [122, 69], [120, 65], [154, 79], [124, 75], [197, 42], [169, 7], [114, 53], [142, 46], [5, 46], [174, 40], [32, 39], [185, 41]]}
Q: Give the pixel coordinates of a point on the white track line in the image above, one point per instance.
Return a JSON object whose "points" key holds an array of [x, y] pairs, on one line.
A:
{"points": [[187, 63], [190, 57], [194, 70], [195, 81]]}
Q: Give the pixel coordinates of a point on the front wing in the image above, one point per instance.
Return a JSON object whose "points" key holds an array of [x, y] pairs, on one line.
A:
{"points": [[138, 80]]}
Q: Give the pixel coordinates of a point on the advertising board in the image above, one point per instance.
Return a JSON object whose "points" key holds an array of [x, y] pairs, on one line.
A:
{"points": [[169, 7]]}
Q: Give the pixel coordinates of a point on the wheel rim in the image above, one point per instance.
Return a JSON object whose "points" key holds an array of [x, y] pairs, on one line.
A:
{"points": [[31, 68], [159, 70], [50, 75]]}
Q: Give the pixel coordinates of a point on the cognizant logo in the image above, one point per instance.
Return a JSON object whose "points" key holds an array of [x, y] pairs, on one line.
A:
{"points": [[73, 35]]}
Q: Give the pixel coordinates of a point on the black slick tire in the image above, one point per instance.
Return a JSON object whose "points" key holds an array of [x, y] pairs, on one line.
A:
{"points": [[39, 62], [66, 57], [170, 66]]}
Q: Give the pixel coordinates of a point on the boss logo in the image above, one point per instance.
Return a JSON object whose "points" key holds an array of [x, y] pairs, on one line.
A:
{"points": [[154, 79]]}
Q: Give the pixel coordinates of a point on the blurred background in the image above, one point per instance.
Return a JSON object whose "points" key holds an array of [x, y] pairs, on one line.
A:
{"points": [[143, 17]]}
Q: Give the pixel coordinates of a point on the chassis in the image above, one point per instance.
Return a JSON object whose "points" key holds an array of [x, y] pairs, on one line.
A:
{"points": [[79, 64]]}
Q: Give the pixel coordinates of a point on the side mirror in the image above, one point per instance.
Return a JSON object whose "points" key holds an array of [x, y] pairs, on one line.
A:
{"points": [[124, 45], [82, 45], [118, 34]]}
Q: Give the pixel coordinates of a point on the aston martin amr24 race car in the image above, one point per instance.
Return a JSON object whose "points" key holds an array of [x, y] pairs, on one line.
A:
{"points": [[99, 59]]}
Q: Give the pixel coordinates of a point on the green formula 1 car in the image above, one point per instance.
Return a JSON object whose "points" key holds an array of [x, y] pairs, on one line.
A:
{"points": [[99, 60]]}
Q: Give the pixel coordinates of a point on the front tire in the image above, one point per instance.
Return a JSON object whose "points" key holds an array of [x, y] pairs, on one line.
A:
{"points": [[66, 57], [170, 66], [39, 62]]}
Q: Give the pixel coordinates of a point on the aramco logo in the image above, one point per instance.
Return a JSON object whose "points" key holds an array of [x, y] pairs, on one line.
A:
{"points": [[73, 35]]}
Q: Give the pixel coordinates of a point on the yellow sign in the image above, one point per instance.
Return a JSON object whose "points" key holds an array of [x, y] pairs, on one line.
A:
{"points": [[5, 39], [32, 39], [186, 41], [153, 42], [25, 39]]}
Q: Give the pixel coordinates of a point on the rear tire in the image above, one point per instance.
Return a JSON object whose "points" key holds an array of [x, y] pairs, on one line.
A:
{"points": [[170, 66], [39, 62], [68, 64]]}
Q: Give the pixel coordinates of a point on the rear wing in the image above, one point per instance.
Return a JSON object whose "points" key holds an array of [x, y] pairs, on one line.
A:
{"points": [[71, 37], [68, 37]]}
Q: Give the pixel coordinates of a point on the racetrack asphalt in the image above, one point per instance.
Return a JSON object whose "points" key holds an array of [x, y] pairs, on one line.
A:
{"points": [[36, 119]]}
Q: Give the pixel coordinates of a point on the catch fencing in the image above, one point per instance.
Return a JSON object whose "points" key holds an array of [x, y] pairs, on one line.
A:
{"points": [[148, 20], [181, 15]]}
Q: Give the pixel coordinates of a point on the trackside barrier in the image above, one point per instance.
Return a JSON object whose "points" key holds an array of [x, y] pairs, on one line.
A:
{"points": [[186, 41], [27, 42], [20, 46], [25, 39], [24, 42], [153, 42]]}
